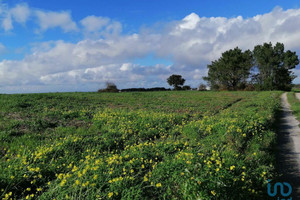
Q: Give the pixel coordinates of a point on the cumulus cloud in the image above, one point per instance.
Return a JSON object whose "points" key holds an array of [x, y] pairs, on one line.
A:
{"points": [[125, 75], [20, 14], [189, 22], [96, 27], [191, 43], [50, 19], [59, 57], [99, 74], [197, 40], [94, 23]]}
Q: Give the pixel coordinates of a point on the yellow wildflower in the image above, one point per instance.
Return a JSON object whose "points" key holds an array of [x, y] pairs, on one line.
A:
{"points": [[110, 194], [158, 185]]}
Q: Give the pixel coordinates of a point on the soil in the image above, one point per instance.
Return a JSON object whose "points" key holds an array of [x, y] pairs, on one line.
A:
{"points": [[288, 149]]}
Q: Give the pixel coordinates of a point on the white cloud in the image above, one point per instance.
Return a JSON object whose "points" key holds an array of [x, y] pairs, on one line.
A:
{"points": [[93, 23], [45, 19], [58, 58], [195, 41], [7, 23], [125, 67], [189, 22], [50, 19], [20, 13], [129, 77], [98, 75], [191, 43], [97, 27]]}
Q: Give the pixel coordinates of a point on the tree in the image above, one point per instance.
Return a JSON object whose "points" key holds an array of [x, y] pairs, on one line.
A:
{"points": [[231, 70], [272, 67], [110, 87], [186, 87], [202, 87], [176, 81]]}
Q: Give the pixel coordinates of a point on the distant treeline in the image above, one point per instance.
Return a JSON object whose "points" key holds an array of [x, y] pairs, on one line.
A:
{"points": [[144, 89], [111, 87]]}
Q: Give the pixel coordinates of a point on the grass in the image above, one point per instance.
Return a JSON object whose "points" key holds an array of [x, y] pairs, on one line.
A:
{"points": [[153, 145], [295, 89], [295, 104]]}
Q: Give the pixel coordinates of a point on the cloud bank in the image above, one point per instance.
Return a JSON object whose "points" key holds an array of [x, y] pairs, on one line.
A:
{"points": [[106, 54]]}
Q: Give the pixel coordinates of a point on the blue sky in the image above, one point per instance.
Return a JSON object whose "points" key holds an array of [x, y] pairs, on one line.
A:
{"points": [[63, 45]]}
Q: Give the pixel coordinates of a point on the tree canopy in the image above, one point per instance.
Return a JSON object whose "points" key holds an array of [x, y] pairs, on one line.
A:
{"points": [[176, 81], [273, 65], [231, 71], [264, 68]]}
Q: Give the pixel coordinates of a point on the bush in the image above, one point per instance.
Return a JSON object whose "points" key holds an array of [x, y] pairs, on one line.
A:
{"points": [[202, 87], [186, 87], [110, 87], [250, 87]]}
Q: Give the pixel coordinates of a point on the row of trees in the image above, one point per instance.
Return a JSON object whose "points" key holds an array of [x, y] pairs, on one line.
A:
{"points": [[174, 80], [111, 87], [267, 67]]}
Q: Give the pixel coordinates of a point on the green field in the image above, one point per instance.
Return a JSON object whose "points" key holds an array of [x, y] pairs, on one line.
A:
{"points": [[143, 145]]}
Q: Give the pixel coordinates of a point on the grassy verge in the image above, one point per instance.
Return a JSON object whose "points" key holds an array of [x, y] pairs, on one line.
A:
{"points": [[295, 104]]}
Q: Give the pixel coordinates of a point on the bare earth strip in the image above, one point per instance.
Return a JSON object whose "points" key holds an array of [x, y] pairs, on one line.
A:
{"points": [[288, 156]]}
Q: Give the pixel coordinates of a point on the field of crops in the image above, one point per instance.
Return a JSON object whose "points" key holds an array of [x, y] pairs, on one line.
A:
{"points": [[153, 145]]}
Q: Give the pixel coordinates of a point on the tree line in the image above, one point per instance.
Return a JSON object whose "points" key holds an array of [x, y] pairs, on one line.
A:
{"points": [[112, 87], [266, 67]]}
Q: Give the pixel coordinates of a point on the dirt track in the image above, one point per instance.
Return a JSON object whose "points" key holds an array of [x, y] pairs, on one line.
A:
{"points": [[288, 156]]}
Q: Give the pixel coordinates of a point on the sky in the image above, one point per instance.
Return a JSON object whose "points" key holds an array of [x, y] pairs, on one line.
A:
{"points": [[78, 45]]}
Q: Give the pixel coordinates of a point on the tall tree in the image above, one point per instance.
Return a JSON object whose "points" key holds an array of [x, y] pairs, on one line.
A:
{"points": [[176, 81], [231, 70], [273, 66]]}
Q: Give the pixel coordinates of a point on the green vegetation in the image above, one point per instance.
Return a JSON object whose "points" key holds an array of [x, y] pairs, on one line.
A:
{"points": [[296, 88], [231, 71], [295, 104], [176, 81], [110, 87], [154, 145], [274, 65], [265, 68]]}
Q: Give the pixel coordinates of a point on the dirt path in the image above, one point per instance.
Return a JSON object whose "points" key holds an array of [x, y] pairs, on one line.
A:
{"points": [[288, 156]]}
